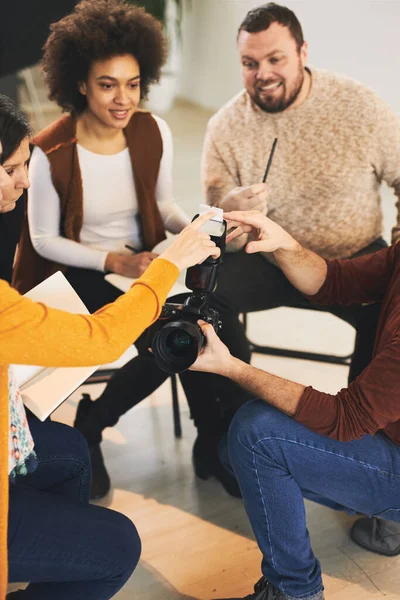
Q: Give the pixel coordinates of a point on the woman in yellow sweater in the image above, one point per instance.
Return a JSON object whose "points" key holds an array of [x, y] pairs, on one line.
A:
{"points": [[64, 546]]}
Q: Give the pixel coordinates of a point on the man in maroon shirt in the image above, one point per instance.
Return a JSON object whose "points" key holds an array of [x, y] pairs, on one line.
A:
{"points": [[340, 450]]}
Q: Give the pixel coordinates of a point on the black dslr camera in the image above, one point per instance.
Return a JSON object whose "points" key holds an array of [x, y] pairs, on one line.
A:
{"points": [[179, 340]]}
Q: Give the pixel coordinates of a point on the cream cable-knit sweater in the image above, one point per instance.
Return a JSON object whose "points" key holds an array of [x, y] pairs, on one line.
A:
{"points": [[333, 152]]}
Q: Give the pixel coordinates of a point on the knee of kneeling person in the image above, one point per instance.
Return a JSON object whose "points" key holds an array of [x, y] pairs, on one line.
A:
{"points": [[255, 420], [245, 422]]}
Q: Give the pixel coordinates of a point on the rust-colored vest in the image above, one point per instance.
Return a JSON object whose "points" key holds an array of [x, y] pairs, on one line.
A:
{"points": [[58, 142]]}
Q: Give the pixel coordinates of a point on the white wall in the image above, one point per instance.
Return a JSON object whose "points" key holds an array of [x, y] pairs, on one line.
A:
{"points": [[359, 38]]}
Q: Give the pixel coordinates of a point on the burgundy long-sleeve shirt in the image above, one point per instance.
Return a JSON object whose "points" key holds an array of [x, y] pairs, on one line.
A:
{"points": [[371, 402]]}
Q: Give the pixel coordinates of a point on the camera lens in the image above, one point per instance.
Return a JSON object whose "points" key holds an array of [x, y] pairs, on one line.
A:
{"points": [[179, 342], [177, 345]]}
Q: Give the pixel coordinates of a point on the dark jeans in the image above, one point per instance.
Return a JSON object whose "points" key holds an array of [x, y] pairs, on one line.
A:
{"points": [[278, 462], [246, 283], [79, 550]]}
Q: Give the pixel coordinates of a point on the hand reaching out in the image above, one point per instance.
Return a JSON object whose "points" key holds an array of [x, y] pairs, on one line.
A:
{"points": [[268, 236]]}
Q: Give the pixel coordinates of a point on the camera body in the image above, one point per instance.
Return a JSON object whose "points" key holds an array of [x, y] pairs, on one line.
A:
{"points": [[178, 342], [179, 339]]}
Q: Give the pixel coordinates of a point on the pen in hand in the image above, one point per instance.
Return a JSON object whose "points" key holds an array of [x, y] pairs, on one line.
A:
{"points": [[132, 249], [271, 156]]}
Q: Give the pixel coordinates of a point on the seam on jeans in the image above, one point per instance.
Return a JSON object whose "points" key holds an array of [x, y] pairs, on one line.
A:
{"points": [[314, 594], [265, 510], [281, 586], [326, 452]]}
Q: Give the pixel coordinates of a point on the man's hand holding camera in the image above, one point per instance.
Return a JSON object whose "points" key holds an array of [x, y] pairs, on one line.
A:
{"points": [[215, 357]]}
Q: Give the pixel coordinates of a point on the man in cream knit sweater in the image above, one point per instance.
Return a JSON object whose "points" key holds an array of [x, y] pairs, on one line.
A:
{"points": [[337, 141]]}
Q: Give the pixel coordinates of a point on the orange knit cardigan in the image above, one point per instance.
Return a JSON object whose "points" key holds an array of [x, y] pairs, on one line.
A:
{"points": [[31, 333]]}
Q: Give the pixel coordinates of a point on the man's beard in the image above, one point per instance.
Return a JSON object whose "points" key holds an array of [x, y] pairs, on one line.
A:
{"points": [[281, 103]]}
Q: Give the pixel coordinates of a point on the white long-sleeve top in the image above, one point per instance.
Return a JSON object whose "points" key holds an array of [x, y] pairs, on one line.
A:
{"points": [[110, 206]]}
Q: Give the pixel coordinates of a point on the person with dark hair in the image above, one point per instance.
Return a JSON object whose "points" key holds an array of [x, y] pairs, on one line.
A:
{"points": [[340, 450], [65, 547], [104, 170], [14, 157], [262, 17], [337, 142]]}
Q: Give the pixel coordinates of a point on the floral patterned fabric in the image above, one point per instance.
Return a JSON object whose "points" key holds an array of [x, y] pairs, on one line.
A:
{"points": [[21, 456]]}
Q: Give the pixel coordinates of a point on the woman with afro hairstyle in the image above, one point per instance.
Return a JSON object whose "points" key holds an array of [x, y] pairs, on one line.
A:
{"points": [[101, 180]]}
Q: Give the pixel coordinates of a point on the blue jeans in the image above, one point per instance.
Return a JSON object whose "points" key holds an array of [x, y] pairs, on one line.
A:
{"points": [[81, 551], [278, 462]]}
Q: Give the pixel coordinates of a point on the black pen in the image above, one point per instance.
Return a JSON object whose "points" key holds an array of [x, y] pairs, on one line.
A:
{"points": [[271, 156], [135, 250]]}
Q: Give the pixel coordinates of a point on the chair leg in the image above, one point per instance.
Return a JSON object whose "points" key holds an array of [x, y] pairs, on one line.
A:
{"points": [[175, 407], [327, 358], [302, 354]]}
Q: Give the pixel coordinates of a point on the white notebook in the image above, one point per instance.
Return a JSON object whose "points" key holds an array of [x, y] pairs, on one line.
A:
{"points": [[44, 388]]}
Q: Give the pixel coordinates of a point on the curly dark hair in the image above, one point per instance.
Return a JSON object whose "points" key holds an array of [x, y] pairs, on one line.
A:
{"points": [[98, 30], [260, 18]]}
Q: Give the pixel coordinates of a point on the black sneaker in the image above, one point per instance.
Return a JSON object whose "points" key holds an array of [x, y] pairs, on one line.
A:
{"points": [[101, 483], [377, 535], [263, 590]]}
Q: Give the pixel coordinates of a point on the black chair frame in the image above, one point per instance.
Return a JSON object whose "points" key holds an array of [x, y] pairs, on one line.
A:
{"points": [[302, 354]]}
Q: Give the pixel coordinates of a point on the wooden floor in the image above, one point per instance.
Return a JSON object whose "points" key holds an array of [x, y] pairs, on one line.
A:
{"points": [[197, 542]]}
